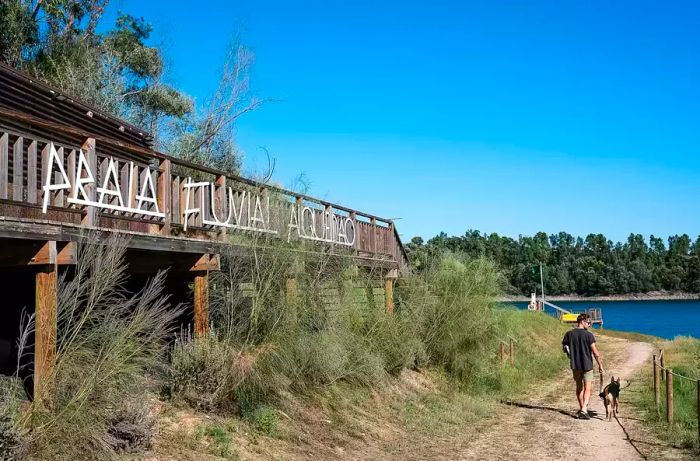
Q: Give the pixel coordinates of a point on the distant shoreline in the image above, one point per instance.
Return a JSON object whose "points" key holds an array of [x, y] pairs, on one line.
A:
{"points": [[651, 296]]}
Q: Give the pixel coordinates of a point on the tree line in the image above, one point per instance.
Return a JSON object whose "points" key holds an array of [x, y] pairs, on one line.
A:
{"points": [[593, 265]]}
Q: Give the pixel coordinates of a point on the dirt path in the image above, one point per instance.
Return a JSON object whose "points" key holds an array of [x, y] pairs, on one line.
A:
{"points": [[542, 425]]}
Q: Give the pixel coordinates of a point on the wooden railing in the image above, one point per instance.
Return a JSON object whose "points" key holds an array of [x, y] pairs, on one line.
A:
{"points": [[126, 177]]}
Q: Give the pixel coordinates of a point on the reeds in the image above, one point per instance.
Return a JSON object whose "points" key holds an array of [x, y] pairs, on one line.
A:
{"points": [[111, 348]]}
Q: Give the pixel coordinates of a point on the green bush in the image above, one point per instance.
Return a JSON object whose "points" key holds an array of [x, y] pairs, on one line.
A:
{"points": [[450, 308], [264, 420]]}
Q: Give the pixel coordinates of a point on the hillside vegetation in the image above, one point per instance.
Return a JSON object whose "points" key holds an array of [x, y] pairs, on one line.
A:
{"points": [[117, 377], [683, 356]]}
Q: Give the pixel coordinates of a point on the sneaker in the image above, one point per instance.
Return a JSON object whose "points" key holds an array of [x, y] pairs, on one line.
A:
{"points": [[583, 415]]}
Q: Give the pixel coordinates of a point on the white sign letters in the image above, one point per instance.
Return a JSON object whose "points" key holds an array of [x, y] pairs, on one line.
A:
{"points": [[127, 187]]}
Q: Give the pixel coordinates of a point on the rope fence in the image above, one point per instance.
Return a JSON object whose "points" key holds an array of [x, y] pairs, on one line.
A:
{"points": [[662, 372]]}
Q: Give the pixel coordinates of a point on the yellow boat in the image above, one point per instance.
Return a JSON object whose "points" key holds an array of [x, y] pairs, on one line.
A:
{"points": [[569, 318]]}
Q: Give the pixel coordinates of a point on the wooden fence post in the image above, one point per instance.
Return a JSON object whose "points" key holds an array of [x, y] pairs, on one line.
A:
{"points": [[669, 396], [512, 352], [45, 324], [501, 351], [657, 387], [201, 304], [661, 362], [291, 289], [389, 280]]}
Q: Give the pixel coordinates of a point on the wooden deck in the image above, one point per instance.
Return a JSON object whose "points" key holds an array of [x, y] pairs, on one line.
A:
{"points": [[67, 171]]}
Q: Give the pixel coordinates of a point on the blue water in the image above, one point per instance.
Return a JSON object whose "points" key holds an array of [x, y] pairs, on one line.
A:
{"points": [[666, 319]]}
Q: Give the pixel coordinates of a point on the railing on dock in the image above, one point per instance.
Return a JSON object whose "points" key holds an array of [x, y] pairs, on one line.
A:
{"points": [[55, 173]]}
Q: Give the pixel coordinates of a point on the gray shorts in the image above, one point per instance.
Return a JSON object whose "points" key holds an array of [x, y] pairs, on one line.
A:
{"points": [[580, 375]]}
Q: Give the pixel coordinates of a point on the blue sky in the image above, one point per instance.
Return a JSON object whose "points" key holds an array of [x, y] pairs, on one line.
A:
{"points": [[508, 117]]}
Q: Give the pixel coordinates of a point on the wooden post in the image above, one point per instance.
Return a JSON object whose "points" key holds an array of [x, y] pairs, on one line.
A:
{"points": [[661, 361], [512, 352], [201, 304], [31, 173], [389, 280], [291, 289], [219, 204], [502, 351], [657, 386], [45, 332], [356, 245], [669, 396], [164, 197], [389, 295]]}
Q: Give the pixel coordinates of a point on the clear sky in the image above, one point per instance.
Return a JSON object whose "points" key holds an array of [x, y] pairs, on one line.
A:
{"points": [[502, 116]]}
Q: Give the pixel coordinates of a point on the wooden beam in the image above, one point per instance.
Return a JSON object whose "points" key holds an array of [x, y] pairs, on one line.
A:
{"points": [[201, 304], [45, 331], [32, 196], [46, 254], [219, 204], [18, 170], [66, 253], [165, 199], [36, 253], [90, 218], [206, 263]]}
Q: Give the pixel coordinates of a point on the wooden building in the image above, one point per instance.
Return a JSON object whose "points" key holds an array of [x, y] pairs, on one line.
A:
{"points": [[67, 171]]}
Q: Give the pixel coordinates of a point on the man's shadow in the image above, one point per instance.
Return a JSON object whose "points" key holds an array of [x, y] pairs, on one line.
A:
{"points": [[591, 413]]}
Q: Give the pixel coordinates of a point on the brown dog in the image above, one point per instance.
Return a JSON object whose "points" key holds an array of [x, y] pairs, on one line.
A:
{"points": [[611, 398]]}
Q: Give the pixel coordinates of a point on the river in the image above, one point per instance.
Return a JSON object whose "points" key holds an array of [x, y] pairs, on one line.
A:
{"points": [[666, 319]]}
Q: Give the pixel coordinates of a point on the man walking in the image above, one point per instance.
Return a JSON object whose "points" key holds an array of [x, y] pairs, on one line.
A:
{"points": [[579, 344]]}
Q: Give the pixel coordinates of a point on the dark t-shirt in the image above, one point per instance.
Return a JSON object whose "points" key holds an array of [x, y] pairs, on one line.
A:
{"points": [[579, 342]]}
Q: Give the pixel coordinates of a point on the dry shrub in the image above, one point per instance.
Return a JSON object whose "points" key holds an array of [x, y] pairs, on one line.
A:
{"points": [[333, 330], [131, 427], [11, 434], [450, 307], [206, 372], [110, 346]]}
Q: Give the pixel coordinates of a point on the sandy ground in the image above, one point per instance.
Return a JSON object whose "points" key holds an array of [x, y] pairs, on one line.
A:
{"points": [[542, 426]]}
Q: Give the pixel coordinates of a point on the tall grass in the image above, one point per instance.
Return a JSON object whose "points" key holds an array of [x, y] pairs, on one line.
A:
{"points": [[450, 309], [444, 318], [683, 356], [111, 346]]}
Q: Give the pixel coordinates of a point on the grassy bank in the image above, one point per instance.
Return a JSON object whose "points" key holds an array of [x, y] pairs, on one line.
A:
{"points": [[402, 414], [274, 364], [683, 356]]}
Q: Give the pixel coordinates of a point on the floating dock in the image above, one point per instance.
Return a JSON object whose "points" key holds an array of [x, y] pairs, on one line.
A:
{"points": [[566, 316]]}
